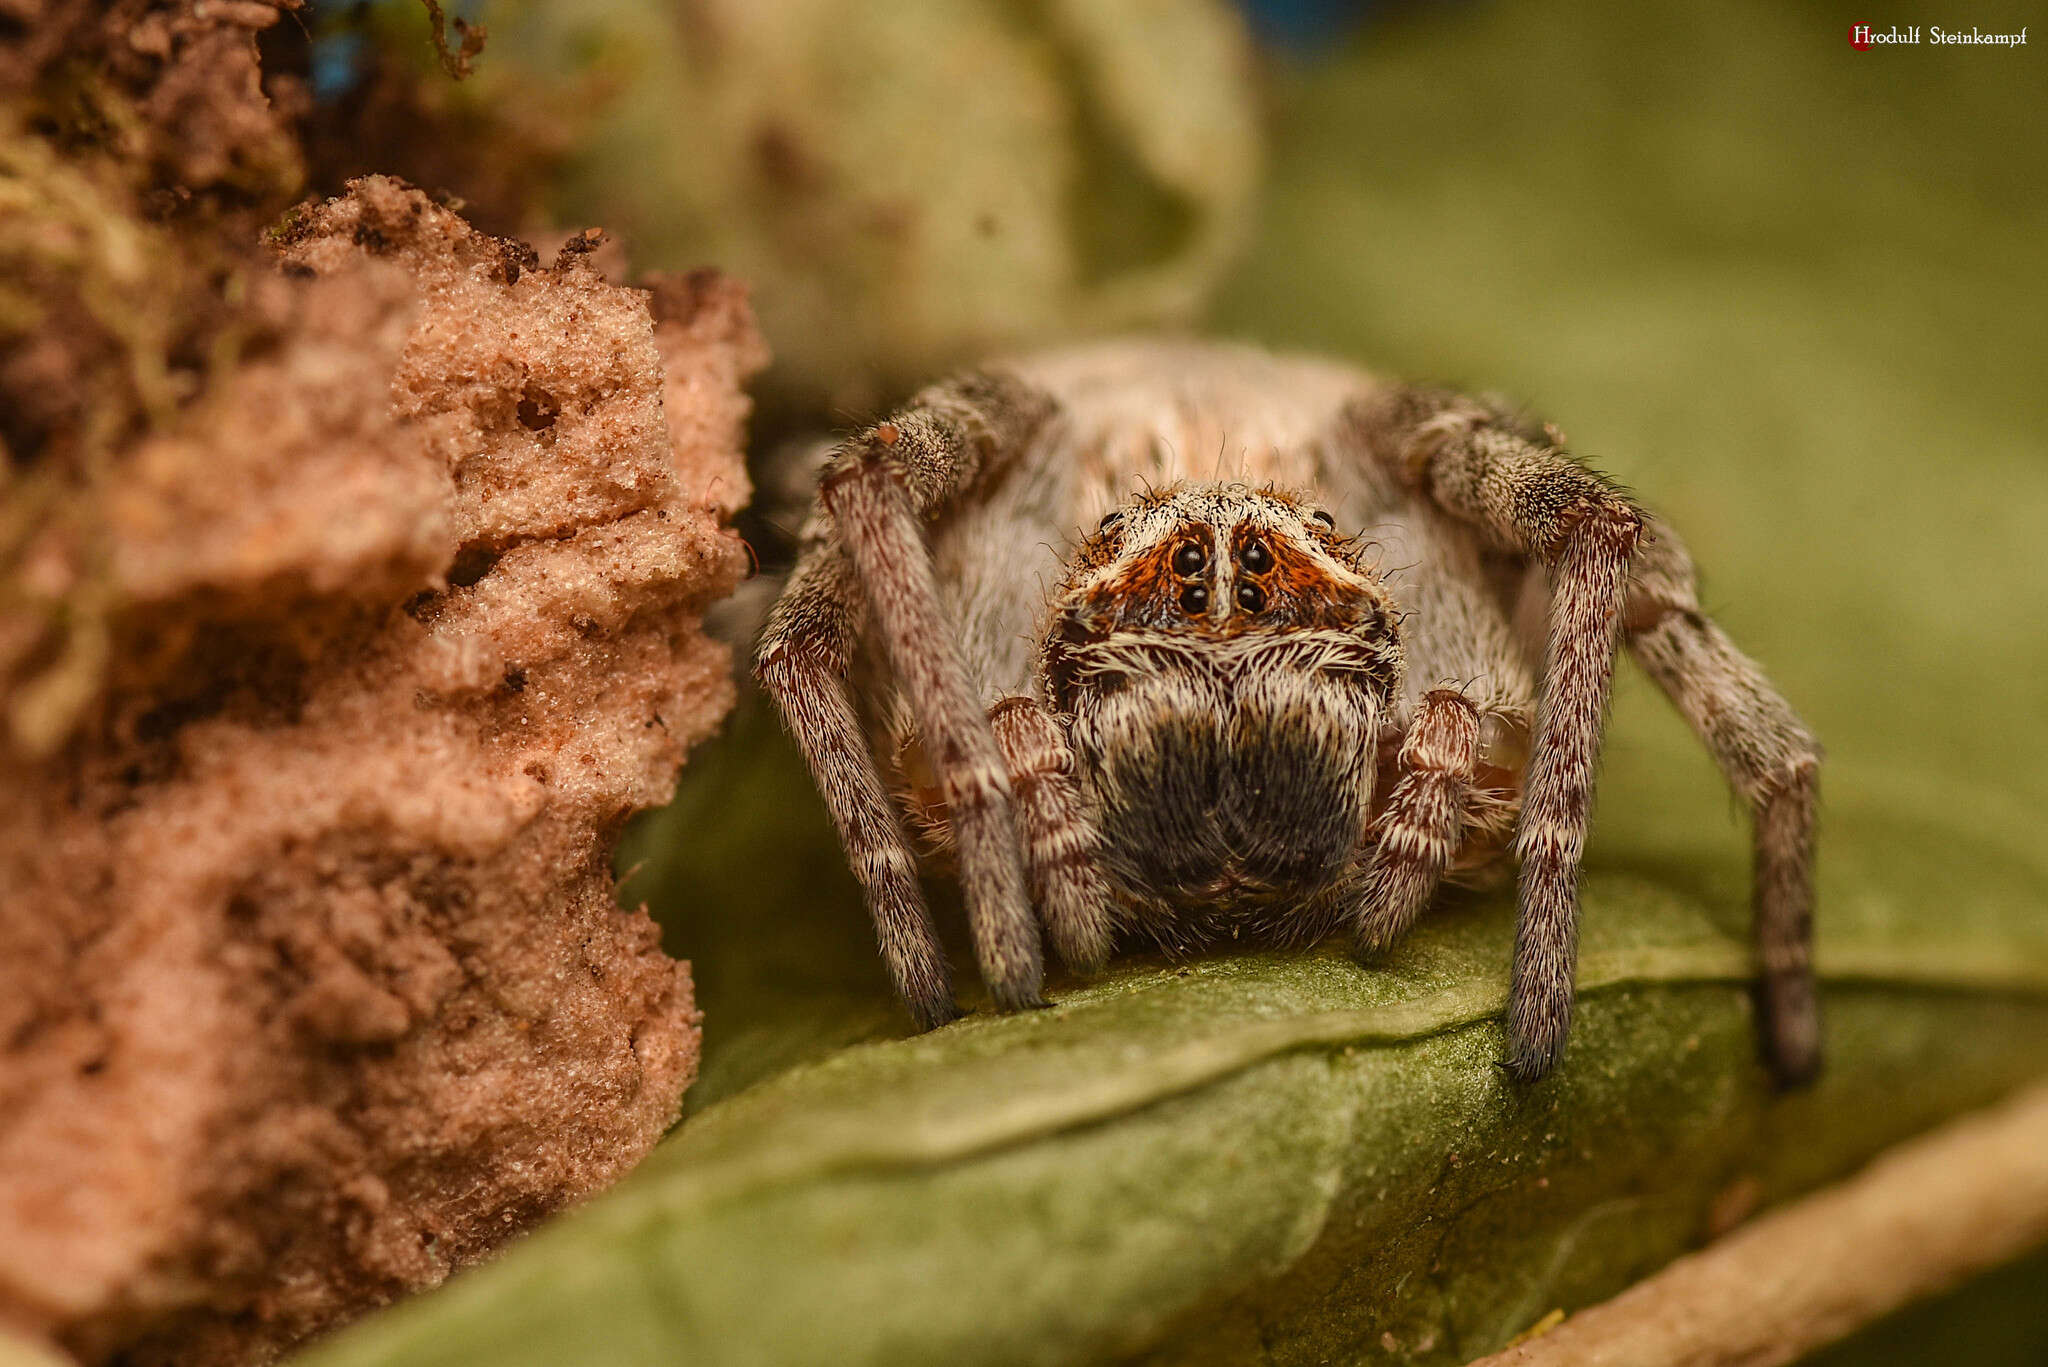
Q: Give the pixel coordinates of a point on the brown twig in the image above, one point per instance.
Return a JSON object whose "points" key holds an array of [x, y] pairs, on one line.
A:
{"points": [[460, 61], [1921, 1218]]}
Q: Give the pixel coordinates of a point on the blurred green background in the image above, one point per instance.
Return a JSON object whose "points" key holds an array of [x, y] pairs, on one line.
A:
{"points": [[1789, 292]]}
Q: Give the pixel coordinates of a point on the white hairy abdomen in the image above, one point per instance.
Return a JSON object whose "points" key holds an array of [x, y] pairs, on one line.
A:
{"points": [[1154, 413]]}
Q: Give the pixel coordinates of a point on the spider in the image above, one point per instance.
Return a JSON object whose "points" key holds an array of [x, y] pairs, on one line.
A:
{"points": [[1225, 719]]}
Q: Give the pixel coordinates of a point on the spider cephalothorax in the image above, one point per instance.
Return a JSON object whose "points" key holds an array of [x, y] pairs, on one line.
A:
{"points": [[1223, 720], [1223, 661]]}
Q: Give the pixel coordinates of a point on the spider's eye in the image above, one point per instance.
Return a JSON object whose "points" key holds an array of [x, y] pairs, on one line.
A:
{"points": [[1189, 559], [1109, 520], [1255, 557], [1329, 523], [1194, 600], [1250, 598]]}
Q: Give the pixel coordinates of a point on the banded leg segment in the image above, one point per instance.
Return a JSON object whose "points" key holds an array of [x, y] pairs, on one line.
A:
{"points": [[1417, 835], [805, 651], [876, 490], [1525, 495], [1062, 851], [1768, 756]]}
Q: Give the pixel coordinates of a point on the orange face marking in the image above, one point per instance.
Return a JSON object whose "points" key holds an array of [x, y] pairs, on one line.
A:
{"points": [[1147, 592], [1278, 582], [1298, 591]]}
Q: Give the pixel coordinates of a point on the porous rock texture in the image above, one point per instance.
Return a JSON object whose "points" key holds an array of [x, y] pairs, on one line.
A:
{"points": [[312, 983]]}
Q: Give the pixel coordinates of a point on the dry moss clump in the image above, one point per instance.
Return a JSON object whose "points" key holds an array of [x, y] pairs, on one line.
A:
{"points": [[139, 159], [312, 983]]}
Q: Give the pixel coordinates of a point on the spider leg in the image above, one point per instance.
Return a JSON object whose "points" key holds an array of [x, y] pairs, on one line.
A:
{"points": [[805, 651], [879, 491], [1418, 833], [1767, 755], [1062, 851], [1525, 495]]}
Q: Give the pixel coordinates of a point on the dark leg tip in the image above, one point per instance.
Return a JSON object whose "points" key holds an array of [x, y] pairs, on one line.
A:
{"points": [[1794, 1063], [1530, 1058], [1083, 955], [1029, 999], [1793, 1075], [1525, 1070], [1368, 951], [1016, 979], [930, 1015], [1791, 1031]]}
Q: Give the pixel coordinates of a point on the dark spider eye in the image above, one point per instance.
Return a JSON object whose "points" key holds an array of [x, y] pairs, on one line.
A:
{"points": [[1250, 598], [1255, 557], [1109, 520], [1329, 523], [1189, 559], [1194, 600]]}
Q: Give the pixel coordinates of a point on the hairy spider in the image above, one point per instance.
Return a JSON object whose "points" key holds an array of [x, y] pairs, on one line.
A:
{"points": [[1224, 719]]}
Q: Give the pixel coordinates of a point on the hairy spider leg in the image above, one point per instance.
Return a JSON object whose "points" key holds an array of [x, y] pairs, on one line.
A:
{"points": [[1062, 852], [806, 649], [881, 489], [1470, 674], [1768, 757], [1416, 836], [1530, 497]]}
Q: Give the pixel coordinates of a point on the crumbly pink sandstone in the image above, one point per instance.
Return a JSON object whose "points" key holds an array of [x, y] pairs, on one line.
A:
{"points": [[312, 984]]}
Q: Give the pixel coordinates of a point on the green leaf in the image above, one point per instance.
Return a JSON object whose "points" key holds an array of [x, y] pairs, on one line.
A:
{"points": [[1256, 1149]]}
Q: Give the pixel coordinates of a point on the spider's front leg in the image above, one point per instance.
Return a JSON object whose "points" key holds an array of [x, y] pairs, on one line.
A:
{"points": [[1526, 496], [878, 493]]}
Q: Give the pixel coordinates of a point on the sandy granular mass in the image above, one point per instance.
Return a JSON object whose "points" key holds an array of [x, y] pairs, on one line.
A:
{"points": [[312, 983]]}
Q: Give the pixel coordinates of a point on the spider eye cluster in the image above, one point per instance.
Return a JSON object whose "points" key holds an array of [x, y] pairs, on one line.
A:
{"points": [[1191, 563]]}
